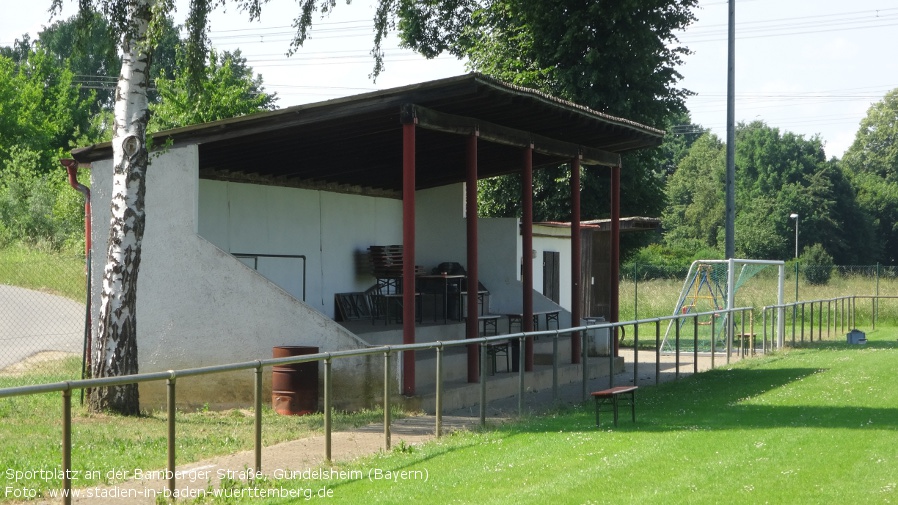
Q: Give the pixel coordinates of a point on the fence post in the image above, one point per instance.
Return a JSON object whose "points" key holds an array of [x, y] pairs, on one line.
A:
{"points": [[876, 303], [386, 400], [483, 365], [713, 341], [170, 388], [612, 334], [439, 392], [657, 351], [258, 417], [327, 409], [554, 367], [812, 322], [521, 341], [677, 350], [695, 344], [67, 446], [584, 371], [635, 354]]}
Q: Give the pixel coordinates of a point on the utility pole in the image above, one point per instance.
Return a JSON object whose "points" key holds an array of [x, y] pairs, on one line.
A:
{"points": [[731, 136]]}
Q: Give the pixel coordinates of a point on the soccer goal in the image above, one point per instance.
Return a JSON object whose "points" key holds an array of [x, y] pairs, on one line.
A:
{"points": [[713, 285]]}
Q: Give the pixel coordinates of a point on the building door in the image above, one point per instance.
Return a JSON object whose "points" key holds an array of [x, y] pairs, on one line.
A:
{"points": [[551, 274]]}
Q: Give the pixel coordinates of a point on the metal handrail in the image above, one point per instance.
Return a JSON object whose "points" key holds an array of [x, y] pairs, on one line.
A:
{"points": [[171, 377]]}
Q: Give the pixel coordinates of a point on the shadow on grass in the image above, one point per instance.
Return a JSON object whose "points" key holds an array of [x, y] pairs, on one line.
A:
{"points": [[716, 400]]}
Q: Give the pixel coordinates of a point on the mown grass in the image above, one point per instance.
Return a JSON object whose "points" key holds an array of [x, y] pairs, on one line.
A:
{"points": [[51, 272], [31, 427], [817, 424]]}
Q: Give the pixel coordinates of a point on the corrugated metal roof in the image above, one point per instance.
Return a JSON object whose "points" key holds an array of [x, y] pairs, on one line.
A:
{"points": [[355, 143]]}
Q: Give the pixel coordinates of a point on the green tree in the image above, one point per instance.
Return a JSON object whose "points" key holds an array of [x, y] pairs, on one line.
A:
{"points": [[695, 212], [872, 161], [818, 265], [40, 108], [228, 90], [776, 174], [574, 50]]}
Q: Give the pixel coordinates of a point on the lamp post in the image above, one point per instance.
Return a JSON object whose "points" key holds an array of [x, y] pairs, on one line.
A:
{"points": [[795, 217]]}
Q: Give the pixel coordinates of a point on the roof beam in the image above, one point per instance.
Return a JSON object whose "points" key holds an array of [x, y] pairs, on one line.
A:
{"points": [[461, 125]]}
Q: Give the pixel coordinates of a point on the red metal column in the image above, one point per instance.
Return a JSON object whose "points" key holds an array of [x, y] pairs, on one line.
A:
{"points": [[615, 251], [575, 258], [408, 256], [527, 253], [472, 328]]}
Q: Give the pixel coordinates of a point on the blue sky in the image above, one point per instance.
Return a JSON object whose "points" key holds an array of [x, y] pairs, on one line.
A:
{"points": [[810, 67]]}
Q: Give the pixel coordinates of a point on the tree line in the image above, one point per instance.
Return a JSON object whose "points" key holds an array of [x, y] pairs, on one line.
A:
{"points": [[56, 93]]}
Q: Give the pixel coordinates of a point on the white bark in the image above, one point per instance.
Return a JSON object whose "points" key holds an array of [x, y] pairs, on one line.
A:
{"points": [[115, 349]]}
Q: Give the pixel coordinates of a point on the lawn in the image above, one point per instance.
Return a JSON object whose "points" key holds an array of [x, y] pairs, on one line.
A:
{"points": [[31, 427], [50, 272], [816, 424]]}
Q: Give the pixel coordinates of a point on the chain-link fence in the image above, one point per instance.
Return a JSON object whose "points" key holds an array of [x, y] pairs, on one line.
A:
{"points": [[42, 316], [653, 291]]}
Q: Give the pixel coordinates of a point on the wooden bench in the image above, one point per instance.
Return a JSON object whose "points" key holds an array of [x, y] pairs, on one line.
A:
{"points": [[612, 396]]}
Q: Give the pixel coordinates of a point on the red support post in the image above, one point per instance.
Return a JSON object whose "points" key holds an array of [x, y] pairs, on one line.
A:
{"points": [[472, 326], [527, 253], [615, 252], [408, 256], [575, 259]]}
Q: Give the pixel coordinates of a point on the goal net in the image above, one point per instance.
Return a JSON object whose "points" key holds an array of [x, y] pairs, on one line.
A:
{"points": [[716, 285]]}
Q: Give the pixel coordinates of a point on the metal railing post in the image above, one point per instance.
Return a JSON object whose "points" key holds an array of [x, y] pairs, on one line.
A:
{"points": [[657, 351], [67, 446], [327, 410], [439, 391], [483, 370], [521, 343], [387, 402], [584, 370], [713, 341], [802, 321], [695, 344], [764, 331], [812, 322], [677, 351], [635, 354], [257, 382], [554, 368], [170, 389], [612, 331]]}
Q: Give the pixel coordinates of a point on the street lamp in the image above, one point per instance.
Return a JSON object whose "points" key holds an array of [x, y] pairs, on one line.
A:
{"points": [[795, 217]]}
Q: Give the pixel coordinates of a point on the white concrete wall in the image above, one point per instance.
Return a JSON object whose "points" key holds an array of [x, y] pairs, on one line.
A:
{"points": [[561, 245], [440, 229], [198, 305], [332, 230]]}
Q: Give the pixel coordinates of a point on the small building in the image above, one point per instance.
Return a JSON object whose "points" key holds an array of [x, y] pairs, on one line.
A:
{"points": [[254, 224]]}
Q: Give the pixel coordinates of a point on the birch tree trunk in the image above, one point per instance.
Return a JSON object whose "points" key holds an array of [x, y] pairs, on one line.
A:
{"points": [[115, 349]]}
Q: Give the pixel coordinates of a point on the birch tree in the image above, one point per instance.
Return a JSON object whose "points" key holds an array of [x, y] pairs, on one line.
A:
{"points": [[136, 25]]}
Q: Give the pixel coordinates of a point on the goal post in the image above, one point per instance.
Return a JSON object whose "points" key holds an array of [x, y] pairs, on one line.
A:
{"points": [[706, 286]]}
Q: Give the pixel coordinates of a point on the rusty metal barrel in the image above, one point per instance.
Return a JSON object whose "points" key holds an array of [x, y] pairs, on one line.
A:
{"points": [[294, 388]]}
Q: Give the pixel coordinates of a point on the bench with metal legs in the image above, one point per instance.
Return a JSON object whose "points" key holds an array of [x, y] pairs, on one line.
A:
{"points": [[612, 397]]}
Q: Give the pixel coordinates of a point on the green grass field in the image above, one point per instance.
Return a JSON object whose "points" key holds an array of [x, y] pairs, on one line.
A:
{"points": [[51, 272], [109, 442], [817, 424]]}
